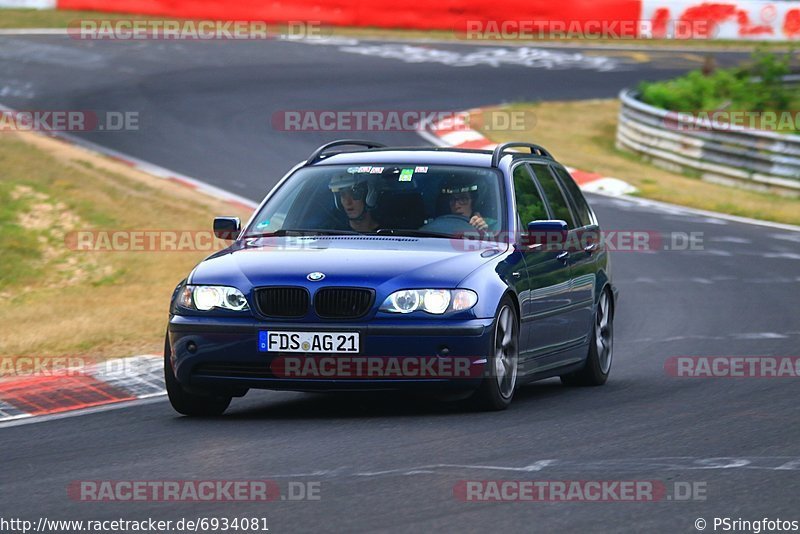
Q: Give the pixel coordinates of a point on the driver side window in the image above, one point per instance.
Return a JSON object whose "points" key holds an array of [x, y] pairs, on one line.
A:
{"points": [[530, 206]]}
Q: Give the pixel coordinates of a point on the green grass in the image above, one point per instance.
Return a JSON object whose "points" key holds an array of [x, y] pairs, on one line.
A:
{"points": [[53, 18], [21, 251]]}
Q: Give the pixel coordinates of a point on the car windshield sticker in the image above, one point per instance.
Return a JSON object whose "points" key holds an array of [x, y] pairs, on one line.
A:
{"points": [[376, 170], [263, 224], [406, 174], [364, 170], [421, 170]]}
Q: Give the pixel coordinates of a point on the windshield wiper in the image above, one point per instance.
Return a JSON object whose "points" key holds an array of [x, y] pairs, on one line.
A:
{"points": [[413, 233], [301, 232]]}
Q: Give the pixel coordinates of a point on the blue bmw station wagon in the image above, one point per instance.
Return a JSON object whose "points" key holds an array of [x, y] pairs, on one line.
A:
{"points": [[392, 268]]}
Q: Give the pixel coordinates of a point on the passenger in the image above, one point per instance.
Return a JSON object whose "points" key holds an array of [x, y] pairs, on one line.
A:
{"points": [[356, 196], [462, 197]]}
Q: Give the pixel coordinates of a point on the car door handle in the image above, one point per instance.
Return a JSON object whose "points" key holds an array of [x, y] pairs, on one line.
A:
{"points": [[563, 256], [590, 248]]}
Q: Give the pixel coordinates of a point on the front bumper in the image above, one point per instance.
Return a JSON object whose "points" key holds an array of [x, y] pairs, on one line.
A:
{"points": [[221, 353]]}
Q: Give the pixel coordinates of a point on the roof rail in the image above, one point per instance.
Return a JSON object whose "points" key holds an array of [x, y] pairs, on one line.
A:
{"points": [[319, 153], [500, 150]]}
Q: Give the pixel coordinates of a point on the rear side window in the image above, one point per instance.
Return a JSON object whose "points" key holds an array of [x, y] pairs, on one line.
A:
{"points": [[530, 206], [583, 211], [556, 199]]}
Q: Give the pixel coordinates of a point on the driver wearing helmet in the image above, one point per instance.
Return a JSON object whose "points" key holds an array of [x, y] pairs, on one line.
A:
{"points": [[357, 197], [462, 196]]}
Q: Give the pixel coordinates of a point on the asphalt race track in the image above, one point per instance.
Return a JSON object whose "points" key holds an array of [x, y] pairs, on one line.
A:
{"points": [[389, 462]]}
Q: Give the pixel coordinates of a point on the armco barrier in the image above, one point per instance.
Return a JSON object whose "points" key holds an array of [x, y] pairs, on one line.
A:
{"points": [[723, 153]]}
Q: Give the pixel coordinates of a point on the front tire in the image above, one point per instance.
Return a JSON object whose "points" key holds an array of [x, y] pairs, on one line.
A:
{"points": [[497, 389], [190, 403], [601, 348]]}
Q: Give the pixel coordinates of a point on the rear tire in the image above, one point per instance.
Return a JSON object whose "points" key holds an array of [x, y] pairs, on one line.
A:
{"points": [[187, 403], [601, 347], [497, 389]]}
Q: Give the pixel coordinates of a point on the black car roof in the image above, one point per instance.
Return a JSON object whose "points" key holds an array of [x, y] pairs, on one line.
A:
{"points": [[412, 156], [415, 156]]}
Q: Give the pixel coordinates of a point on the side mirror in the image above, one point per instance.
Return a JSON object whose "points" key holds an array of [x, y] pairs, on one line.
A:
{"points": [[547, 233], [227, 228]]}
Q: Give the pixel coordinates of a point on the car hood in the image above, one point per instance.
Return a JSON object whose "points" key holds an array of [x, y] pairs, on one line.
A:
{"points": [[369, 261]]}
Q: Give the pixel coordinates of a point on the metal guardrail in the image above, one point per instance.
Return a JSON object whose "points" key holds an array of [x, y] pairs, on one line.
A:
{"points": [[723, 153]]}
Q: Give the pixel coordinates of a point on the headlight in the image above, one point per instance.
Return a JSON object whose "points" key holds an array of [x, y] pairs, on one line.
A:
{"points": [[205, 298], [436, 301]]}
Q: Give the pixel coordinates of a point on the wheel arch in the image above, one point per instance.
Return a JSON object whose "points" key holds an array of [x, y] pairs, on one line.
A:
{"points": [[603, 283], [515, 301]]}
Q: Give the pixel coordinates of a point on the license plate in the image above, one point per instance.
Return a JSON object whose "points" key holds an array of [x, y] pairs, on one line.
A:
{"points": [[308, 342]]}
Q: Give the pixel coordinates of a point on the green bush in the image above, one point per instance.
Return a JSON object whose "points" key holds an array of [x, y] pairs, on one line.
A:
{"points": [[772, 93], [756, 87]]}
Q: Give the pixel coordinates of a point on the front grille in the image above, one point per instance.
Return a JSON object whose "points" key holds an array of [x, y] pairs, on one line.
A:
{"points": [[282, 301], [342, 302]]}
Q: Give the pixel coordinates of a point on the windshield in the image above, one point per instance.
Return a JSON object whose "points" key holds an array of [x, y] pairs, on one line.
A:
{"points": [[427, 201]]}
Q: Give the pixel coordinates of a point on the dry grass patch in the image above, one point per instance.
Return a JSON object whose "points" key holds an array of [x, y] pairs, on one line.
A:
{"points": [[61, 301]]}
